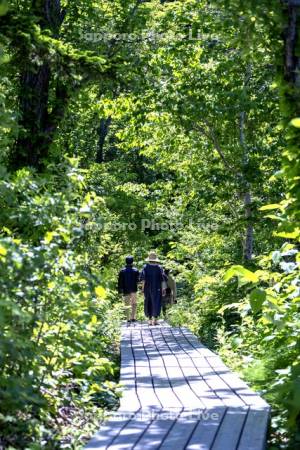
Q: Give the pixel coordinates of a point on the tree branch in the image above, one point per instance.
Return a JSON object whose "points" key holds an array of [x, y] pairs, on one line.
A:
{"points": [[211, 135]]}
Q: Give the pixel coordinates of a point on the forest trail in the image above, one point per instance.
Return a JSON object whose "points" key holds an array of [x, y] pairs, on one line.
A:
{"points": [[179, 394]]}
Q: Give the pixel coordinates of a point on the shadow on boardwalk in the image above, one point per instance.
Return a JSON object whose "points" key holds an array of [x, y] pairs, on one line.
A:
{"points": [[180, 395]]}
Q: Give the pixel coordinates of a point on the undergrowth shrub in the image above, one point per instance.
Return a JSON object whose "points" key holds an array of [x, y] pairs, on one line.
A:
{"points": [[58, 320]]}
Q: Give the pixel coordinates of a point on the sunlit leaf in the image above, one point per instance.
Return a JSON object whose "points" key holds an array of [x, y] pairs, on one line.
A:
{"points": [[296, 122], [100, 292], [3, 251], [270, 207], [244, 275]]}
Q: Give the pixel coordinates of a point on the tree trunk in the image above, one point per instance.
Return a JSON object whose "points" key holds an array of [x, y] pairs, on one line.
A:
{"points": [[33, 109], [37, 125], [249, 233], [291, 58], [102, 135], [249, 237]]}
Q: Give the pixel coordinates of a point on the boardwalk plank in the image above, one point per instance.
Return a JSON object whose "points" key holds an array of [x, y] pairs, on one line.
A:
{"points": [[221, 389], [107, 433], [206, 430], [180, 432], [130, 434], [230, 429], [255, 429], [144, 386], [201, 388], [242, 390], [130, 401], [156, 433]]}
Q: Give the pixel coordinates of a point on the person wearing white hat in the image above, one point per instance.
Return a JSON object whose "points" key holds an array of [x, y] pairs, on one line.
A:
{"points": [[152, 278]]}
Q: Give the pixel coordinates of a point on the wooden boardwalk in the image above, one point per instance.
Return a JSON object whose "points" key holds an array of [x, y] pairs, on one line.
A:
{"points": [[179, 395]]}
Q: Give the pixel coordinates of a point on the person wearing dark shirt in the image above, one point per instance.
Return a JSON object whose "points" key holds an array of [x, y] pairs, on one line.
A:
{"points": [[127, 286], [152, 277]]}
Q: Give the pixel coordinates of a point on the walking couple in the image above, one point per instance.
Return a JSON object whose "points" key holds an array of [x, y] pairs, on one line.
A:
{"points": [[159, 288]]}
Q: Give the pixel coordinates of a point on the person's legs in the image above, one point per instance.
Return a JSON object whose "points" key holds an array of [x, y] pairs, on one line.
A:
{"points": [[127, 301], [133, 305]]}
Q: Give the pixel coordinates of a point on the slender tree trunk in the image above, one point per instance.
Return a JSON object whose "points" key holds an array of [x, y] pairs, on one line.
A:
{"points": [[103, 131], [249, 237], [249, 233], [292, 57]]}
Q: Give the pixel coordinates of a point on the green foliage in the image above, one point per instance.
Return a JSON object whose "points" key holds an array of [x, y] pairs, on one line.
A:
{"points": [[57, 321], [270, 336], [174, 114], [244, 275]]}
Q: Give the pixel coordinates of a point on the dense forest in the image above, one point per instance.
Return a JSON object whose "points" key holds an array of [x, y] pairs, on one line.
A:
{"points": [[131, 125]]}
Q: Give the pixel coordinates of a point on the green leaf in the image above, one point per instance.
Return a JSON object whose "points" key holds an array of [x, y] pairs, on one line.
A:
{"points": [[244, 275], [94, 320], [257, 298], [100, 292], [269, 207], [289, 235], [49, 237], [3, 251]]}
